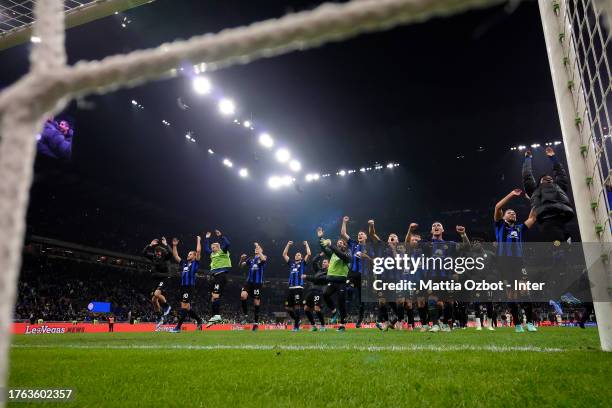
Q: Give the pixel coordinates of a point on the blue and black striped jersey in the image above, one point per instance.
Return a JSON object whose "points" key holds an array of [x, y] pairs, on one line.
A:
{"points": [[439, 248], [188, 272], [256, 269], [509, 238], [296, 270], [359, 265]]}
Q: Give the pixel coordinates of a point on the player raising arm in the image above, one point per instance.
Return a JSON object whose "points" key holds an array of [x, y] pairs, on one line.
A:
{"points": [[220, 263], [188, 268], [361, 254], [159, 254], [295, 296], [252, 287], [337, 272]]}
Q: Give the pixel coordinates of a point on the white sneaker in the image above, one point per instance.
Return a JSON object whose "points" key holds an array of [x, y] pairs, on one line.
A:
{"points": [[213, 320], [435, 328], [491, 328], [446, 328], [478, 328]]}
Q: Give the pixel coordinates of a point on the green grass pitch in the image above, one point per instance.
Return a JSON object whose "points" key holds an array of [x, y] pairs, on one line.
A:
{"points": [[560, 367]]}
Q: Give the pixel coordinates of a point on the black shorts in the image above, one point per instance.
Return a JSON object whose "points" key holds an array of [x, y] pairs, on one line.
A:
{"points": [[354, 279], [314, 297], [253, 289], [509, 268], [187, 294], [218, 283], [160, 284], [295, 297]]}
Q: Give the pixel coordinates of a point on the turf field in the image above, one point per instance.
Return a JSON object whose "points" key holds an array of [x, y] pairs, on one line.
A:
{"points": [[559, 367]]}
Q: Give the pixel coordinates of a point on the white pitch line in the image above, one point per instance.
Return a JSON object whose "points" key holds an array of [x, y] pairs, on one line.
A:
{"points": [[261, 347]]}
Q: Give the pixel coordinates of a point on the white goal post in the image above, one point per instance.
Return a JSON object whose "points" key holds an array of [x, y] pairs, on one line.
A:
{"points": [[577, 43], [50, 84]]}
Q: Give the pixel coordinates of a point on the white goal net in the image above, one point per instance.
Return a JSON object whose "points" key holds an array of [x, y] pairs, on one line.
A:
{"points": [[51, 83]]}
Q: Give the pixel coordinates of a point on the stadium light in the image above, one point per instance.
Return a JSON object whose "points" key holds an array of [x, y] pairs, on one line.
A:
{"points": [[210, 151], [228, 163], [35, 39], [521, 147], [266, 140], [243, 173], [315, 176], [535, 145], [287, 180], [134, 102], [341, 173], [390, 166], [363, 169], [274, 182], [557, 143], [309, 178], [227, 107], [246, 124], [283, 155], [201, 85], [295, 165]]}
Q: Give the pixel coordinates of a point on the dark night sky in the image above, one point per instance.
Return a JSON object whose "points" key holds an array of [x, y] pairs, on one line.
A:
{"points": [[420, 95]]}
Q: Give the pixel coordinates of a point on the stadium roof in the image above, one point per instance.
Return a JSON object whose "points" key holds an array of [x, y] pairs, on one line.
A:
{"points": [[17, 16]]}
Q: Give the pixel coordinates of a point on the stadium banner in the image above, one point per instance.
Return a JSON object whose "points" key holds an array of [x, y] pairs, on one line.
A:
{"points": [[70, 328], [483, 272]]}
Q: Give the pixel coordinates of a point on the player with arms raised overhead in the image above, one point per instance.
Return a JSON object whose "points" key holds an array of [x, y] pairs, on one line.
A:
{"points": [[509, 236], [252, 287], [392, 248], [437, 247], [188, 268], [295, 296], [361, 253], [220, 264], [159, 254], [337, 273]]}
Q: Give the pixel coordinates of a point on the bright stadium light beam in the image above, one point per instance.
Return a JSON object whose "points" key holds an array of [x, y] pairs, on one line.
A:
{"points": [[243, 173], [210, 151], [342, 173], [287, 180], [247, 124], [227, 107], [274, 182], [316, 176], [201, 85], [283, 155], [266, 140], [295, 165], [390, 166], [228, 163], [309, 178]]}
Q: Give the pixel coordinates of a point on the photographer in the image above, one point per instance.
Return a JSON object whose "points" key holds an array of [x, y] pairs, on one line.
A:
{"points": [[56, 139]]}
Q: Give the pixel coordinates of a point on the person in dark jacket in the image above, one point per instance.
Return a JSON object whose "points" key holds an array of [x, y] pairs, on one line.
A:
{"points": [[159, 253], [549, 198], [314, 296], [56, 140]]}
